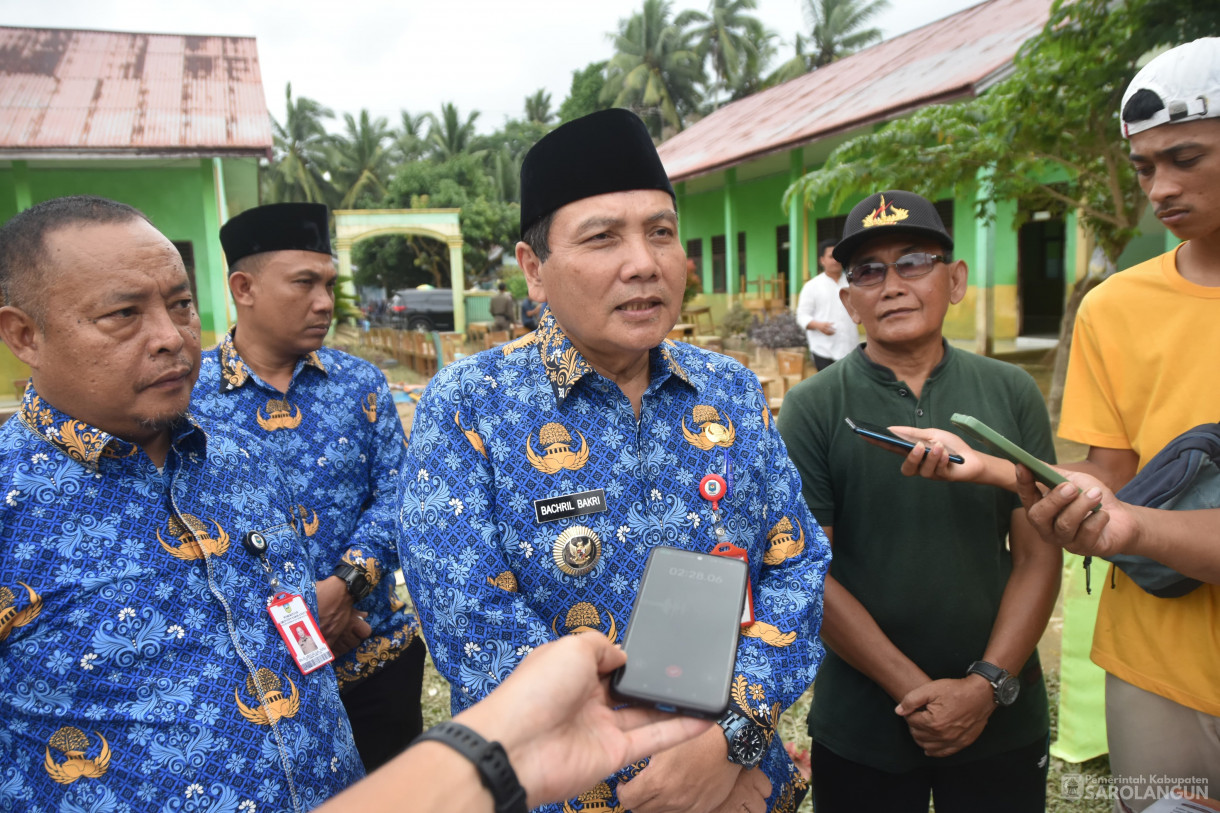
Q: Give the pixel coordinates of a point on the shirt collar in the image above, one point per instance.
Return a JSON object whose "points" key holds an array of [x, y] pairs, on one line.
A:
{"points": [[234, 373], [564, 365], [87, 444], [885, 374]]}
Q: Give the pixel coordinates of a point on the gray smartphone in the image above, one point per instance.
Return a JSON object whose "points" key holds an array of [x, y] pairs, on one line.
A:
{"points": [[1007, 449], [681, 641], [880, 433]]}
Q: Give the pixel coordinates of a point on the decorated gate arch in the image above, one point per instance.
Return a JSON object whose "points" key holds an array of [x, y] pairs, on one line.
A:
{"points": [[353, 225]]}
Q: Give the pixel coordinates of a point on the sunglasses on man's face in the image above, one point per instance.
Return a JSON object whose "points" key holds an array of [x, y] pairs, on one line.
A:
{"points": [[908, 266]]}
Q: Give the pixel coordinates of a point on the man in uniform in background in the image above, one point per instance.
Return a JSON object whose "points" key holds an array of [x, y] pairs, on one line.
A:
{"points": [[330, 425]]}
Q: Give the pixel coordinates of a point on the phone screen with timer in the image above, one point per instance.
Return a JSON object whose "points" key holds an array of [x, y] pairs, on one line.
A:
{"points": [[681, 641]]}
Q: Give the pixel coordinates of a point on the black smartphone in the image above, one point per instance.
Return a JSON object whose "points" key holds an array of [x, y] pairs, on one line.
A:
{"points": [[871, 430], [681, 641]]}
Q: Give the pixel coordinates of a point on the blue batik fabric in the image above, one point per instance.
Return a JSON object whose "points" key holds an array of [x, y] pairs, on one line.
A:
{"points": [[532, 420], [336, 438], [139, 668]]}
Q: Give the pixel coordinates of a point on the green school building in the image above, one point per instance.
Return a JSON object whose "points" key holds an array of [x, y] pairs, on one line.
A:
{"points": [[730, 171], [174, 125]]}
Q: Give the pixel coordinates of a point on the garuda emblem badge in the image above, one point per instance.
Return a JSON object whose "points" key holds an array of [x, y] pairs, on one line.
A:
{"points": [[577, 550]]}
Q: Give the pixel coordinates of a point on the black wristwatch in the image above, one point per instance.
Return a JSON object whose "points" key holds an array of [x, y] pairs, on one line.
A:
{"points": [[358, 584], [1005, 686], [746, 740]]}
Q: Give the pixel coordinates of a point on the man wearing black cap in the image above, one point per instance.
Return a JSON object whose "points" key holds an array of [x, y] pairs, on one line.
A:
{"points": [[329, 423], [927, 608], [540, 474]]}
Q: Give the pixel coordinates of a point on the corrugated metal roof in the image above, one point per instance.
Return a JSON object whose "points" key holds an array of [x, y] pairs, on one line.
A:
{"points": [[941, 61], [85, 91]]}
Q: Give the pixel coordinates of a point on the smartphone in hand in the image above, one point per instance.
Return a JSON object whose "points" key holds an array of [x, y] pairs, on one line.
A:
{"points": [[1006, 449], [681, 641], [880, 433]]}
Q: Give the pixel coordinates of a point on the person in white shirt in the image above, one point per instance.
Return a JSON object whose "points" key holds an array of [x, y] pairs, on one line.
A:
{"points": [[830, 331]]}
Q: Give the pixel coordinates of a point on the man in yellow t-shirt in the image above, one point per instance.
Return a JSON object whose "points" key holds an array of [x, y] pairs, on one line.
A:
{"points": [[1142, 371]]}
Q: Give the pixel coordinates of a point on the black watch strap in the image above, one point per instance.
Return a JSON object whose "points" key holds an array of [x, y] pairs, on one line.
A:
{"points": [[356, 580], [489, 760]]}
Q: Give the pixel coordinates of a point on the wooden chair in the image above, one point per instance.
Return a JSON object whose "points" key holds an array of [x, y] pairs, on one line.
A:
{"points": [[791, 364], [739, 357], [494, 338], [695, 315], [714, 343]]}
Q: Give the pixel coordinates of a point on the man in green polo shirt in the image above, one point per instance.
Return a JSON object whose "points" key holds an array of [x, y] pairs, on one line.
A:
{"points": [[938, 591]]}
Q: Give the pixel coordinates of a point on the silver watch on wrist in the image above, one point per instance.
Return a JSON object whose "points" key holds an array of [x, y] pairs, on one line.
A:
{"points": [[747, 742]]}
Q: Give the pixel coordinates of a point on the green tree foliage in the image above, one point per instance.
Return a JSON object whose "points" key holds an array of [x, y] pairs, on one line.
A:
{"points": [[584, 97], [655, 70], [538, 107], [732, 42], [410, 140], [1047, 135], [449, 135], [360, 159], [799, 64], [299, 163], [837, 27], [488, 225]]}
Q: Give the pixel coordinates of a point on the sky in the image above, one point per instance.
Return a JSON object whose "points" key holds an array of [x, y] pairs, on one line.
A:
{"points": [[394, 55]]}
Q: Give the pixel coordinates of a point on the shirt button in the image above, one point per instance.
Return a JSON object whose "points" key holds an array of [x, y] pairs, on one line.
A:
{"points": [[903, 393], [919, 412]]}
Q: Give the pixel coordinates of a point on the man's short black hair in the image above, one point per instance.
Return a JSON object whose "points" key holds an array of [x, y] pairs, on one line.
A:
{"points": [[23, 253], [825, 244], [537, 236]]}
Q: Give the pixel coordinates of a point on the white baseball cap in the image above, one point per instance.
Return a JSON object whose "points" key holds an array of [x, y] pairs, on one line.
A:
{"points": [[1186, 82]]}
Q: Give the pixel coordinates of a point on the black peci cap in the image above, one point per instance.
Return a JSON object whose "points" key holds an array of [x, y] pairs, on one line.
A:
{"points": [[276, 227], [606, 151], [886, 212]]}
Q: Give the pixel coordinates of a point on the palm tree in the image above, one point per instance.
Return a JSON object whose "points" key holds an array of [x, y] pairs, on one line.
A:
{"points": [[800, 64], [448, 135], [410, 140], [733, 42], [297, 173], [360, 159], [655, 68], [836, 27], [538, 107]]}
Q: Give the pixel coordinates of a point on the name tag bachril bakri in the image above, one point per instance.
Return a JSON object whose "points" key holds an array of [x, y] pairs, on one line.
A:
{"points": [[570, 505]]}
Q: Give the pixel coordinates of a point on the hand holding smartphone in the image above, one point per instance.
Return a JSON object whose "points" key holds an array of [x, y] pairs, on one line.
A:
{"points": [[883, 435], [1006, 449], [681, 641]]}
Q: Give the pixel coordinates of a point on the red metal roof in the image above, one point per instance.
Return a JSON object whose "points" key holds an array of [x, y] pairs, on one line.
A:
{"points": [[103, 91], [939, 62]]}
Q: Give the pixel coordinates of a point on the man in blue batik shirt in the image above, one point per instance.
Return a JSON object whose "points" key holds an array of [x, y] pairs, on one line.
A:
{"points": [[139, 667], [328, 423], [596, 400]]}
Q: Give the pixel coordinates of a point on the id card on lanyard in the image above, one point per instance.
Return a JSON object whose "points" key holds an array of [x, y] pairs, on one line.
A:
{"points": [[300, 632]]}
